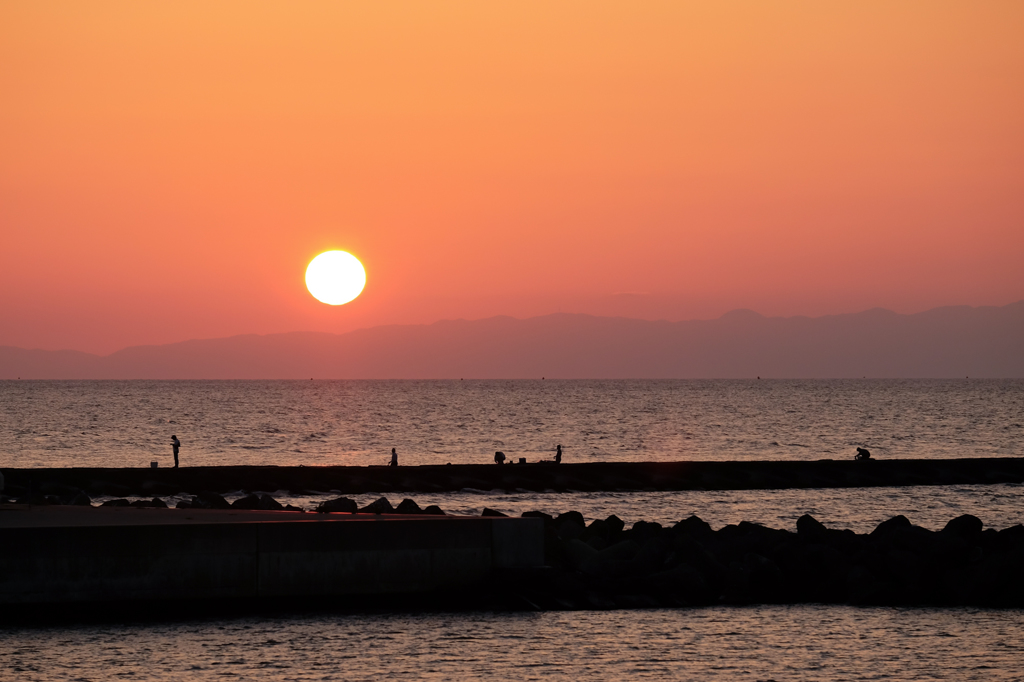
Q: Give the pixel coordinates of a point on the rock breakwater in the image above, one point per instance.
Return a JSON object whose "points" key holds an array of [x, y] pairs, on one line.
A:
{"points": [[605, 565]]}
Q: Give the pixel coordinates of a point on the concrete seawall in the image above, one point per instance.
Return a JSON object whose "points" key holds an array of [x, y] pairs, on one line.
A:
{"points": [[64, 555], [535, 477]]}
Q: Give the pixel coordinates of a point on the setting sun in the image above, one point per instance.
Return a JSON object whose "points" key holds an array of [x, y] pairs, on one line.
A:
{"points": [[335, 277]]}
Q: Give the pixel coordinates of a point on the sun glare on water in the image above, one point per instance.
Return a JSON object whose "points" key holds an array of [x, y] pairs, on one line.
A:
{"points": [[335, 277]]}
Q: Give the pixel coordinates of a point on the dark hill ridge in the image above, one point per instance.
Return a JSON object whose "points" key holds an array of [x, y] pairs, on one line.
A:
{"points": [[950, 342]]}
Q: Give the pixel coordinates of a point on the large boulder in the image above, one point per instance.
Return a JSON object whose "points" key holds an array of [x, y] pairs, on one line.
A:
{"points": [[408, 506], [810, 528], [605, 530], [340, 504], [378, 506], [268, 503], [570, 525], [250, 501], [695, 527], [207, 499], [887, 527], [965, 526]]}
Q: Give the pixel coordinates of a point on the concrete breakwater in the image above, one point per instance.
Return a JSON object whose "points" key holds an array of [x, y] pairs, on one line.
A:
{"points": [[56, 556], [61, 556], [348, 480], [603, 565]]}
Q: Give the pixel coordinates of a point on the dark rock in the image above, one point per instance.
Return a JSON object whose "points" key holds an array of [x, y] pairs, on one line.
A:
{"points": [[1011, 538], [605, 530], [289, 507], [340, 504], [548, 518], [80, 500], [694, 526], [207, 499], [250, 501], [434, 510], [810, 528], [268, 503], [886, 527], [492, 512], [408, 506], [577, 552], [378, 506], [765, 578], [965, 526], [183, 504], [644, 530], [116, 503], [570, 525], [573, 517], [157, 503], [683, 581]]}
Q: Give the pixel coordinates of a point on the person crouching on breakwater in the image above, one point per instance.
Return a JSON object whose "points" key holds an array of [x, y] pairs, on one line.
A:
{"points": [[175, 444], [558, 454], [862, 454], [499, 457], [394, 458]]}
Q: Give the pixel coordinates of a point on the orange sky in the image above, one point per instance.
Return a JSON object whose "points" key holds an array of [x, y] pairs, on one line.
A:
{"points": [[167, 169]]}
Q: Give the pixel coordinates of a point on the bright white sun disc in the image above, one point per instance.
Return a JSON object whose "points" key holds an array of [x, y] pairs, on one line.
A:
{"points": [[335, 277]]}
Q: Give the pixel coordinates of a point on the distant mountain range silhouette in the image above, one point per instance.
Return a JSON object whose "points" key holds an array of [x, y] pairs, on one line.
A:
{"points": [[945, 342]]}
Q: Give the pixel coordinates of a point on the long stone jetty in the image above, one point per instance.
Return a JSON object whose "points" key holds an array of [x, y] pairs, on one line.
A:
{"points": [[56, 555], [599, 476]]}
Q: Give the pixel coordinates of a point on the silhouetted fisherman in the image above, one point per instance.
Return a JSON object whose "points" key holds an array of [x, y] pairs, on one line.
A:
{"points": [[175, 444], [558, 454], [499, 457], [394, 458], [862, 454]]}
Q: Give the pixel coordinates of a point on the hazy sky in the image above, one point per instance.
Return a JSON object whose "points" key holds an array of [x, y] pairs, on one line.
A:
{"points": [[167, 169]]}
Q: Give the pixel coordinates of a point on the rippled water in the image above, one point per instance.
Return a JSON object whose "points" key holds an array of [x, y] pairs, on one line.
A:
{"points": [[129, 424], [114, 423], [754, 643]]}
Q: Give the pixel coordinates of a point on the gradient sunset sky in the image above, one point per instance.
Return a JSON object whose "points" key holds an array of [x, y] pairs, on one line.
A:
{"points": [[168, 169]]}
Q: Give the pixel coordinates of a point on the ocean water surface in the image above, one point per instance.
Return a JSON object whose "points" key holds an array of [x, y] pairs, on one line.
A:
{"points": [[720, 643], [129, 423]]}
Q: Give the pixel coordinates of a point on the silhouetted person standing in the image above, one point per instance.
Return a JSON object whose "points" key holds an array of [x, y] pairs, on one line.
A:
{"points": [[394, 458], [175, 444], [558, 454]]}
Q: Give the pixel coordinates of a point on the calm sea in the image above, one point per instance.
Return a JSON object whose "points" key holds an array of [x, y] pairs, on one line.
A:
{"points": [[98, 423], [129, 424]]}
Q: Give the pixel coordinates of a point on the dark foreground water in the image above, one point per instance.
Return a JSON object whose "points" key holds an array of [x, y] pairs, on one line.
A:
{"points": [[748, 643]]}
